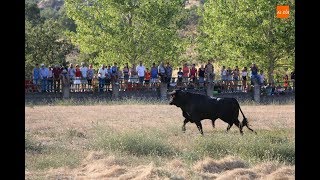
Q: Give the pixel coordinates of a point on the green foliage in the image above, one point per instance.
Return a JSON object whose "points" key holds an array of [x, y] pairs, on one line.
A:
{"points": [[242, 32], [32, 13], [45, 43], [126, 30]]}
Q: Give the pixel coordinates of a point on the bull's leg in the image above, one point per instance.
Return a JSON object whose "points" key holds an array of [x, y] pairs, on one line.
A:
{"points": [[199, 125], [184, 125], [238, 124], [229, 126], [213, 123]]}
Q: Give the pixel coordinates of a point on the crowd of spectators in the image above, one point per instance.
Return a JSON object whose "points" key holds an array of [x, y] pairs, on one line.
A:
{"points": [[82, 77]]}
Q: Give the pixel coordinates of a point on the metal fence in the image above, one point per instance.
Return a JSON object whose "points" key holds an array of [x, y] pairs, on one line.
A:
{"points": [[228, 86]]}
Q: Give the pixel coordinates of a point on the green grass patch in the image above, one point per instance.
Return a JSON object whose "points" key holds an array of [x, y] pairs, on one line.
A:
{"points": [[53, 157], [266, 146], [134, 143]]}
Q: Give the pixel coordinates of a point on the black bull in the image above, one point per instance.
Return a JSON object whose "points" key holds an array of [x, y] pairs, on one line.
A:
{"points": [[196, 107]]}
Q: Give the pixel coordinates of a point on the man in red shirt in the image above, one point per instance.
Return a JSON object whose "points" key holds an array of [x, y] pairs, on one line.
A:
{"points": [[56, 71]]}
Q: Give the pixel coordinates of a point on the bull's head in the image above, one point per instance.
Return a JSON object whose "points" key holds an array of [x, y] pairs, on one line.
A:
{"points": [[175, 97]]}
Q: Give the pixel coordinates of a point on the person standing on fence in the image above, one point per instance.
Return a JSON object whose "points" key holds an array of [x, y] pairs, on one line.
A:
{"points": [[133, 74], [50, 79], [154, 75], [254, 73], [185, 70], [102, 76], [44, 72], [84, 73], [36, 76], [114, 75], [180, 75], [193, 75], [235, 78], [169, 74], [56, 77], [141, 72], [147, 78], [201, 74], [209, 72], [162, 72], [108, 78], [78, 77], [224, 78], [90, 74], [71, 73], [125, 72], [244, 74], [292, 77]]}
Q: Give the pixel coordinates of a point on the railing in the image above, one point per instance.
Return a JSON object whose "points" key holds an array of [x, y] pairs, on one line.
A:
{"points": [[229, 86]]}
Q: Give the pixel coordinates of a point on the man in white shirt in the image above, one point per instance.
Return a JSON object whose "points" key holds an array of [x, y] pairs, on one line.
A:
{"points": [[84, 72], [44, 73], [102, 77], [141, 71]]}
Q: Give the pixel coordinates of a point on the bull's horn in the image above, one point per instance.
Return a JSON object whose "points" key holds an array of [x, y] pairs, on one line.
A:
{"points": [[170, 93]]}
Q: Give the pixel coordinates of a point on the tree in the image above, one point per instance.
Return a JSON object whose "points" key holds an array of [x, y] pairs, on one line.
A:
{"points": [[127, 30], [45, 43], [238, 32]]}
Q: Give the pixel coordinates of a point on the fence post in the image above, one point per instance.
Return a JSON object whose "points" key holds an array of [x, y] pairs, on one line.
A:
{"points": [[256, 91], [115, 90], [210, 86], [65, 86], [163, 90]]}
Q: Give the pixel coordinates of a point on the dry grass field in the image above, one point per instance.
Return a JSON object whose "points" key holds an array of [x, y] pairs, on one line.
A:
{"points": [[145, 141]]}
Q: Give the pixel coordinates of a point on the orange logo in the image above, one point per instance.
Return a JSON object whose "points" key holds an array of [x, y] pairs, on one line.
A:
{"points": [[282, 11]]}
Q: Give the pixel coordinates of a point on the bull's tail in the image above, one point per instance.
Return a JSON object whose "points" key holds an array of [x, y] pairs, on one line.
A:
{"points": [[245, 122]]}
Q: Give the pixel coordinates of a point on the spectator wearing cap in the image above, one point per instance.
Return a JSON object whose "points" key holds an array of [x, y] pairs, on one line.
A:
{"points": [[44, 72]]}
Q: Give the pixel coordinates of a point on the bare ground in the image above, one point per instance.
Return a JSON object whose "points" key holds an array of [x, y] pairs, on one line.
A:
{"points": [[48, 122]]}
